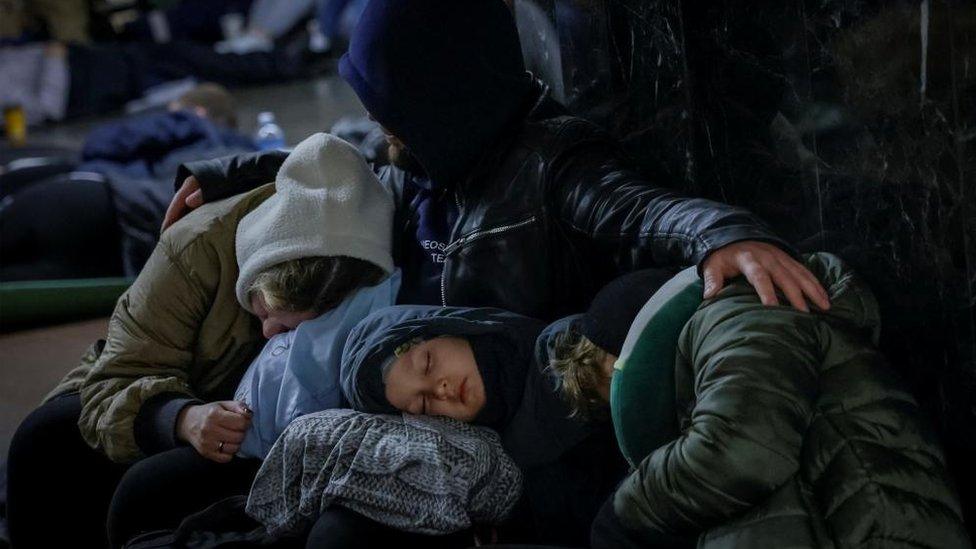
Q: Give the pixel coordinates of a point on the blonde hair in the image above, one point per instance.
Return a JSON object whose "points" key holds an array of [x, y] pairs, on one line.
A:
{"points": [[579, 364], [313, 283]]}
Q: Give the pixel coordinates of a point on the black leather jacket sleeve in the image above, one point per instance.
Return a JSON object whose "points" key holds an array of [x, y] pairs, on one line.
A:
{"points": [[636, 224], [223, 177]]}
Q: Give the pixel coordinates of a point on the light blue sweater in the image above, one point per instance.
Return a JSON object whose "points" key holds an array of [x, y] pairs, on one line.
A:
{"points": [[297, 372]]}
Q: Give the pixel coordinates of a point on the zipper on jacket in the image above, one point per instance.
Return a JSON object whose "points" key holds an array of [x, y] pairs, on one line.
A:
{"points": [[477, 235]]}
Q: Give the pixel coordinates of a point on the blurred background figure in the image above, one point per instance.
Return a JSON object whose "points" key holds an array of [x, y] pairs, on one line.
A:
{"points": [[247, 26], [76, 58], [270, 20], [336, 20], [100, 217], [61, 20], [53, 82], [201, 21], [35, 79]]}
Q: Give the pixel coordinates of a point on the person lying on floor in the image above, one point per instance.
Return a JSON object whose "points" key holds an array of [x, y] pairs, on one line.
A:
{"points": [[786, 428], [487, 366], [53, 81], [100, 217], [146, 418]]}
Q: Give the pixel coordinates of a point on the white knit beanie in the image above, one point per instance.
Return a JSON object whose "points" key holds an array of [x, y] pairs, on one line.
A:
{"points": [[327, 202]]}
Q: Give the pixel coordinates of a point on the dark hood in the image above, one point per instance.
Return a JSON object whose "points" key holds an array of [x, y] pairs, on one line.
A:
{"points": [[445, 76], [502, 343]]}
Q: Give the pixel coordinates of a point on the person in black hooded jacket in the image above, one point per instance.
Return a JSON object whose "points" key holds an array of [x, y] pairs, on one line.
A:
{"points": [[490, 367], [502, 198]]}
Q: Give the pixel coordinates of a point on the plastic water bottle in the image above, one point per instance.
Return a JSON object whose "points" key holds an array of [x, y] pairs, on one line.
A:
{"points": [[269, 135]]}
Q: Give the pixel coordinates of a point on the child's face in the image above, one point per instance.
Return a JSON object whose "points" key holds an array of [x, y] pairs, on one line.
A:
{"points": [[275, 322], [438, 377]]}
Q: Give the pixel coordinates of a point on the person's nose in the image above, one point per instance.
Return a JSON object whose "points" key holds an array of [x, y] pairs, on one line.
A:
{"points": [[445, 391], [271, 328]]}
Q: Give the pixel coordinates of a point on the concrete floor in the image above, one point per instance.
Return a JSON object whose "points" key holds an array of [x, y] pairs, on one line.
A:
{"points": [[32, 361]]}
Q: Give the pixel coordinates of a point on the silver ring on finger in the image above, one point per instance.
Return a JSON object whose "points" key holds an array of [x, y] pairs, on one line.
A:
{"points": [[220, 447]]}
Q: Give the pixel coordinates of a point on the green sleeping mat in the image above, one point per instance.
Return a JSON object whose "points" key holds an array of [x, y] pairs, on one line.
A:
{"points": [[53, 301]]}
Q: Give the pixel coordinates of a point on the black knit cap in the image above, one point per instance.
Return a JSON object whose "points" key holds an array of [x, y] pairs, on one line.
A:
{"points": [[615, 307]]}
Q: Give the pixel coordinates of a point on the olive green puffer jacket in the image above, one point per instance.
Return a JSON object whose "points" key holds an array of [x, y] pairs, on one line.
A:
{"points": [[795, 432], [179, 329]]}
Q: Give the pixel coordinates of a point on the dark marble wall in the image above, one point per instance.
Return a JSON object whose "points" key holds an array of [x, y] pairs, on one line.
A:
{"points": [[849, 125]]}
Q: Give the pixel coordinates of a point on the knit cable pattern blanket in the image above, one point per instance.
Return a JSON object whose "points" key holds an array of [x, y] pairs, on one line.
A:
{"points": [[429, 475]]}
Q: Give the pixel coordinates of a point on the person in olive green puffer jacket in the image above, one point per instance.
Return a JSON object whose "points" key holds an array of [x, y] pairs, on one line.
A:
{"points": [[145, 431], [183, 334], [793, 431], [178, 330]]}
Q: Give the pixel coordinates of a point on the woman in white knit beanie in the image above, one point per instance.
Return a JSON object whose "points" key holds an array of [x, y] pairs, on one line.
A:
{"points": [[324, 232], [157, 394], [328, 207]]}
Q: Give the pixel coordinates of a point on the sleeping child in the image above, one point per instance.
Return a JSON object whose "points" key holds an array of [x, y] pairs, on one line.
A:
{"points": [[488, 367]]}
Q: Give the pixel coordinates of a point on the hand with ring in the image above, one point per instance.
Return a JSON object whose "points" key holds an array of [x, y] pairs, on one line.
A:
{"points": [[215, 430]]}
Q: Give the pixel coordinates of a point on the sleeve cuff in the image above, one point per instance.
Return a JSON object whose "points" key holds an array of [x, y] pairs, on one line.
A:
{"points": [[155, 424], [731, 235], [209, 173], [223, 177]]}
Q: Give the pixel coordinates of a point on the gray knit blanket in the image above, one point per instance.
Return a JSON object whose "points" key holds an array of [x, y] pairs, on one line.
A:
{"points": [[428, 475]]}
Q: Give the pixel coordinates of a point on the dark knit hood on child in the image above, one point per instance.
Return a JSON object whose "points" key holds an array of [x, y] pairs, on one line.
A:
{"points": [[502, 343]]}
